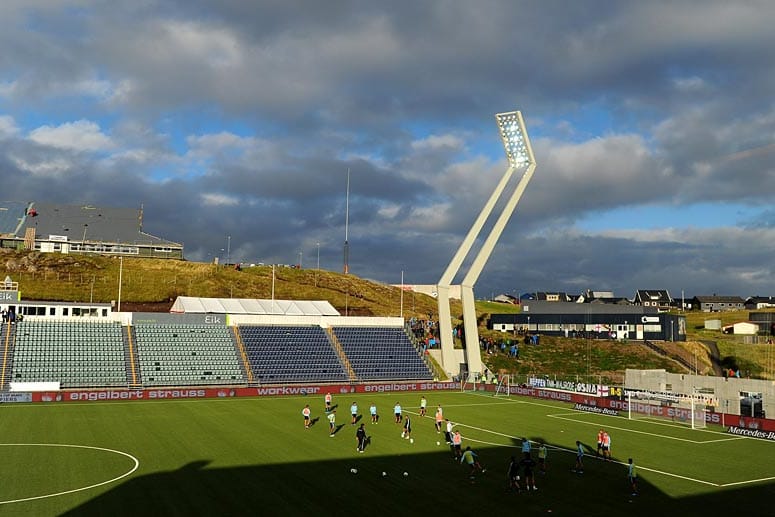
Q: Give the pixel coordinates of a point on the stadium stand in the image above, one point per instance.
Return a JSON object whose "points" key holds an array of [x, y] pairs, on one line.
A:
{"points": [[382, 353], [187, 355], [291, 354], [75, 354]]}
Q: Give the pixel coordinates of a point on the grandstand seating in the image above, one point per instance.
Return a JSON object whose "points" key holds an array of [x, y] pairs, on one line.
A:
{"points": [[381, 353], [290, 354], [86, 354], [187, 355], [75, 354]]}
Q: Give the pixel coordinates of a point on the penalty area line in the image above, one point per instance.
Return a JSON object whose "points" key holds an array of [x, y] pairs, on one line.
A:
{"points": [[749, 482], [564, 416]]}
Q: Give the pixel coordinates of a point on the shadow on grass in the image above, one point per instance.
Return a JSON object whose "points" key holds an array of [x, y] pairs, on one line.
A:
{"points": [[433, 481]]}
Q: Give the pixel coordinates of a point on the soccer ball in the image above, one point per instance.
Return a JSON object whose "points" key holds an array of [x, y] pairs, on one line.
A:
{"points": [[406, 474], [438, 443], [354, 471], [411, 440], [384, 474]]}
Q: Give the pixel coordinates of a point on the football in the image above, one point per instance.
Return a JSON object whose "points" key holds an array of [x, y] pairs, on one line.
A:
{"points": [[354, 471], [384, 474], [406, 474]]}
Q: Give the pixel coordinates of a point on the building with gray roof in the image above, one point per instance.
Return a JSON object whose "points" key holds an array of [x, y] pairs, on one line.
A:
{"points": [[81, 229]]}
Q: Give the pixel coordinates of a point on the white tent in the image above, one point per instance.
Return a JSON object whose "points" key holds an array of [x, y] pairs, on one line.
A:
{"points": [[194, 305]]}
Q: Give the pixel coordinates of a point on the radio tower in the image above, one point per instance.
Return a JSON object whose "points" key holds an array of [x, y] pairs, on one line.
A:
{"points": [[347, 226]]}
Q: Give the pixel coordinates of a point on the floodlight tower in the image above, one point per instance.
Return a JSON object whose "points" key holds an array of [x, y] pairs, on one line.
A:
{"points": [[519, 154]]}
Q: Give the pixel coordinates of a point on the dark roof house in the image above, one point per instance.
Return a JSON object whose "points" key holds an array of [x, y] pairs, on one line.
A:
{"points": [[718, 303], [659, 298]]}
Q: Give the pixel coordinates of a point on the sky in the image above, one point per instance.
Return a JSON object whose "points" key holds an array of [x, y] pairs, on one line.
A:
{"points": [[234, 125]]}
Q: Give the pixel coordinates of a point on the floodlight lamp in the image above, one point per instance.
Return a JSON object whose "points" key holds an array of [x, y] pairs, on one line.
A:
{"points": [[512, 130]]}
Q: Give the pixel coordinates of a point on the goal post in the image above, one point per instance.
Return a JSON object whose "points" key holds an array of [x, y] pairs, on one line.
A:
{"points": [[503, 389], [688, 410], [469, 384]]}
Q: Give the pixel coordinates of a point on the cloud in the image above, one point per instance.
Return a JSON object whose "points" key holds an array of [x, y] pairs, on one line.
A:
{"points": [[8, 127], [81, 135], [244, 119]]}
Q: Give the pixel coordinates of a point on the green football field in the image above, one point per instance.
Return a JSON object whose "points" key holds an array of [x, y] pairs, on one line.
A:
{"points": [[252, 456]]}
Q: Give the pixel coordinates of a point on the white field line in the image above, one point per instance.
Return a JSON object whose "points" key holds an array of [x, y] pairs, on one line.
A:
{"points": [[727, 437], [566, 416], [563, 449], [81, 489], [648, 469], [750, 481]]}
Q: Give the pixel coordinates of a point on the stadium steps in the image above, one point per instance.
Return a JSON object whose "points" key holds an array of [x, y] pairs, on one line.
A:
{"points": [[715, 356], [130, 359], [244, 361], [432, 367], [342, 356], [8, 337], [664, 353]]}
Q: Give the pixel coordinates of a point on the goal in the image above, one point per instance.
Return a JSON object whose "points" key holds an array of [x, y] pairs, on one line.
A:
{"points": [[503, 387], [680, 409], [470, 384]]}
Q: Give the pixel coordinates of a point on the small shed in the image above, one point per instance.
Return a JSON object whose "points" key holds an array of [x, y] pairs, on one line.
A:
{"points": [[746, 328]]}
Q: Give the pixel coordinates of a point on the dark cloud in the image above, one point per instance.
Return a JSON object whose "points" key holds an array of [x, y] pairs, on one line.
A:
{"points": [[234, 119]]}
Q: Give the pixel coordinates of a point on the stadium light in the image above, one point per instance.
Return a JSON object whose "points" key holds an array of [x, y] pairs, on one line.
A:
{"points": [[511, 127], [512, 130]]}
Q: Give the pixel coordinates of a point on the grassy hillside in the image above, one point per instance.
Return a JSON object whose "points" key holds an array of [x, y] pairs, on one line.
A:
{"points": [[153, 285]]}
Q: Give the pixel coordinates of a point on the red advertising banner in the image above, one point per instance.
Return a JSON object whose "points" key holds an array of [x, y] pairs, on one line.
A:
{"points": [[260, 391], [606, 405]]}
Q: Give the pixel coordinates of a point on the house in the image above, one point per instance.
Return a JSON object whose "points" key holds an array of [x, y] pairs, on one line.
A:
{"points": [[506, 298], [718, 303], [659, 298], [553, 297], [759, 302]]}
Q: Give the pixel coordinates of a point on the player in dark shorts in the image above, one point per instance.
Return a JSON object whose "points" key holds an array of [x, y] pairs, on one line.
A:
{"points": [[513, 475], [360, 434], [528, 465]]}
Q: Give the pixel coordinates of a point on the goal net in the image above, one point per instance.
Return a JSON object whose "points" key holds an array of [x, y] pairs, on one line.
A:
{"points": [[686, 410], [503, 387], [470, 384]]}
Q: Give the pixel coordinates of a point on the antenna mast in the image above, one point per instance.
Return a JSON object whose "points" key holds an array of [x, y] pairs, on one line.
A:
{"points": [[347, 226]]}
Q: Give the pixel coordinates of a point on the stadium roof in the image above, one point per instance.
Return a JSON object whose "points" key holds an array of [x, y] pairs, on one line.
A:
{"points": [[90, 223], [11, 216], [193, 305]]}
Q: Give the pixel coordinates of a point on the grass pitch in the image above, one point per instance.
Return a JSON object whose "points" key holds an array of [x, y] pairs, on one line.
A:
{"points": [[252, 456]]}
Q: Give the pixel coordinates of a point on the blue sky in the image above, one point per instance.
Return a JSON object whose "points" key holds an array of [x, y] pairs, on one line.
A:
{"points": [[652, 123]]}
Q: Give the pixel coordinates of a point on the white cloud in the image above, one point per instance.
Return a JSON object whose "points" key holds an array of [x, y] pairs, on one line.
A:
{"points": [[51, 167], [8, 126], [213, 199], [435, 142], [81, 135]]}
